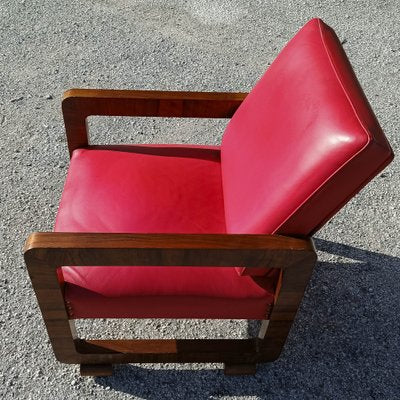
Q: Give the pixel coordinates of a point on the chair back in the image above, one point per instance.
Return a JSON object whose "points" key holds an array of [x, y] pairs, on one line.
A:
{"points": [[303, 142]]}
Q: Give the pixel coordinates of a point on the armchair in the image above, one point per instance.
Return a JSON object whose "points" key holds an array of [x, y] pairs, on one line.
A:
{"points": [[176, 231]]}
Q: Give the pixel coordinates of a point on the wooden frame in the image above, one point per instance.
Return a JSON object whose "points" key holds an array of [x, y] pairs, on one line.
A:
{"points": [[78, 104], [45, 252]]}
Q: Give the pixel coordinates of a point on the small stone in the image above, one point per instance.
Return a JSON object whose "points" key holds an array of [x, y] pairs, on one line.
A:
{"points": [[17, 99], [49, 97]]}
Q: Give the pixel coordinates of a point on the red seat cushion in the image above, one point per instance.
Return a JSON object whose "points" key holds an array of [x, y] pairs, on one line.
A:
{"points": [[151, 189], [303, 142]]}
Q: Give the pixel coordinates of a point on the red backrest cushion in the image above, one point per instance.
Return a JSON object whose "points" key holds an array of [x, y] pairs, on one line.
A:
{"points": [[303, 142]]}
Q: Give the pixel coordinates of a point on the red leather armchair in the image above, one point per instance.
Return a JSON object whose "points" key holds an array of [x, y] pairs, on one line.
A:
{"points": [[176, 231]]}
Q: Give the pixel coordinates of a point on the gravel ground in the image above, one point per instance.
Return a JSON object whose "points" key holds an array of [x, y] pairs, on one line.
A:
{"points": [[345, 341]]}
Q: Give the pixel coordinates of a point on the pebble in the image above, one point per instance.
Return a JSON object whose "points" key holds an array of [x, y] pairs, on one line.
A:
{"points": [[17, 99]]}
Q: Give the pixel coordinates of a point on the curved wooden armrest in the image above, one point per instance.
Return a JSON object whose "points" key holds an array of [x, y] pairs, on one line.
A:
{"points": [[256, 251], [78, 104]]}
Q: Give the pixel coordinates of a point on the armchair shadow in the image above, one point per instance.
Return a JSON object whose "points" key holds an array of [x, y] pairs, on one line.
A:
{"points": [[344, 333], [364, 256]]}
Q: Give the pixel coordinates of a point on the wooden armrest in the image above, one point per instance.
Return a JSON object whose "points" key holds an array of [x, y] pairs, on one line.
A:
{"points": [[88, 249], [78, 104]]}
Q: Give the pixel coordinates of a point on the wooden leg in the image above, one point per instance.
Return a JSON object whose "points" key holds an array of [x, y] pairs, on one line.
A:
{"points": [[263, 329], [96, 370], [288, 296], [240, 369]]}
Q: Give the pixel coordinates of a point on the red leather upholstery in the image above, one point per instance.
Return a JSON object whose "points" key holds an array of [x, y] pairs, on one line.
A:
{"points": [[303, 142], [126, 190], [151, 189]]}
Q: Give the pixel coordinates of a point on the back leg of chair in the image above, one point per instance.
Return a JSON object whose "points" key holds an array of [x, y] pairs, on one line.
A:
{"points": [[248, 368]]}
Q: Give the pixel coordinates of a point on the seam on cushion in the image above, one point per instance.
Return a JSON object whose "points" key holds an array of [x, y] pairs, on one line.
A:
{"points": [[359, 187], [342, 86], [368, 140], [68, 307]]}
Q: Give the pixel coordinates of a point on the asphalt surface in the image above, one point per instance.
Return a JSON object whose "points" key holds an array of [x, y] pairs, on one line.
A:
{"points": [[345, 341]]}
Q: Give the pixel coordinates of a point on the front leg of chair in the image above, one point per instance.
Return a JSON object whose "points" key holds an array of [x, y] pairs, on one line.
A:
{"points": [[96, 370], [248, 368], [240, 369], [60, 328], [274, 331], [289, 293]]}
